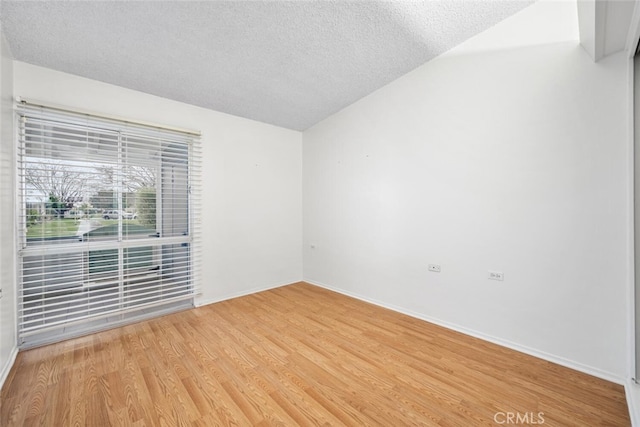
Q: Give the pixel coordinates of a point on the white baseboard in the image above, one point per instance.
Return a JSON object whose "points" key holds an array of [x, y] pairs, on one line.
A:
{"points": [[632, 391], [499, 341], [202, 301], [4, 373]]}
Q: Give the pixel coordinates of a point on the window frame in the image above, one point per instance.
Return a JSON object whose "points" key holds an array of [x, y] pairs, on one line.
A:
{"points": [[158, 245]]}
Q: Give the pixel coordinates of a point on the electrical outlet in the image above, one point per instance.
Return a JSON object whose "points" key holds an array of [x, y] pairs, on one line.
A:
{"points": [[434, 268], [496, 275]]}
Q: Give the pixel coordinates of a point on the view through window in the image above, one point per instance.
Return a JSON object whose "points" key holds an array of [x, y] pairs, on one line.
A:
{"points": [[107, 222]]}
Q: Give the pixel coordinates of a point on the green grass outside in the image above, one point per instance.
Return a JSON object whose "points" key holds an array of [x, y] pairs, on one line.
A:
{"points": [[54, 228], [65, 227]]}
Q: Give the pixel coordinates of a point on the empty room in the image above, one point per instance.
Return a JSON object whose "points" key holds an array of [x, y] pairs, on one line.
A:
{"points": [[337, 213]]}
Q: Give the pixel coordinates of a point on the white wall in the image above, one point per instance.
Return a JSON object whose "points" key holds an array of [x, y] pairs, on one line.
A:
{"points": [[502, 158], [251, 174], [7, 236], [487, 158]]}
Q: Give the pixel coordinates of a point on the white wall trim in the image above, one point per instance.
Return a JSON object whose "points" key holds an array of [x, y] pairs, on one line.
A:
{"points": [[631, 221], [632, 390], [202, 302], [499, 341], [4, 373]]}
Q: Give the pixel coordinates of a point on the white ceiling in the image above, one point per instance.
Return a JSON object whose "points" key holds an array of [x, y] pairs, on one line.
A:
{"points": [[288, 63]]}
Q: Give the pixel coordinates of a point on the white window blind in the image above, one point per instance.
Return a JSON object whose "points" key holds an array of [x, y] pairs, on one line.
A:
{"points": [[108, 224]]}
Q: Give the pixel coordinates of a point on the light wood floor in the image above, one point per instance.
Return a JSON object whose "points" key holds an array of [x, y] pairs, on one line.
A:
{"points": [[296, 355]]}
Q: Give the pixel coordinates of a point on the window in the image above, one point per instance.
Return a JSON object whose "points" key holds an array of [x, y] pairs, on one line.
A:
{"points": [[108, 229]]}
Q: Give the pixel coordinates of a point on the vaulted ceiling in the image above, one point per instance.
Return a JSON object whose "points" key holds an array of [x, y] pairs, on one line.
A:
{"points": [[288, 63]]}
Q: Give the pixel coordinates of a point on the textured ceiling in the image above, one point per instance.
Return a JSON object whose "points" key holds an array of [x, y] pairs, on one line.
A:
{"points": [[288, 63]]}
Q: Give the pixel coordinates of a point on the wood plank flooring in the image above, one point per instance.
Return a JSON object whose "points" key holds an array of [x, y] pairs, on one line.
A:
{"points": [[297, 355]]}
